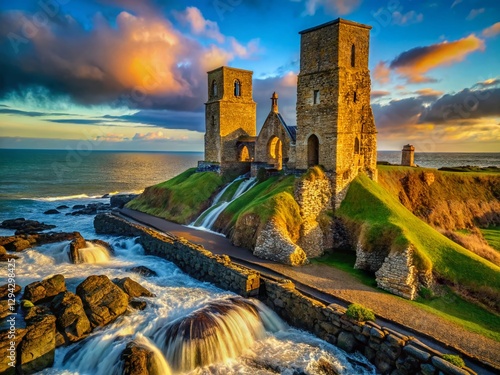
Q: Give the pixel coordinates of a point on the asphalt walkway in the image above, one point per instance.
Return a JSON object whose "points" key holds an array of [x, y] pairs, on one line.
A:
{"points": [[333, 285]]}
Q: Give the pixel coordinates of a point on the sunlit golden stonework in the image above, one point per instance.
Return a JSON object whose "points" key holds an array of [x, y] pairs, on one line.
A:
{"points": [[335, 126]]}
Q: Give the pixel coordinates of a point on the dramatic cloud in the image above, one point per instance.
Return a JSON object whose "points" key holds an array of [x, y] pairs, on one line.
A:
{"points": [[199, 25], [335, 7], [429, 94], [415, 63], [492, 30], [139, 61], [474, 13], [375, 94], [467, 116], [456, 2], [382, 73], [408, 18], [488, 83]]}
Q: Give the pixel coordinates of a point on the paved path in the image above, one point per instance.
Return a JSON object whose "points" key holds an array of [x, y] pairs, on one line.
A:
{"points": [[334, 285]]}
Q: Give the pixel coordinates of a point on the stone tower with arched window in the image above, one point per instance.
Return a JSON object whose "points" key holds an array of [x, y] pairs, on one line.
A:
{"points": [[230, 113], [335, 126]]}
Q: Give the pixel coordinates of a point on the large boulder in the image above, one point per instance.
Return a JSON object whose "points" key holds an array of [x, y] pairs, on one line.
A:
{"points": [[4, 309], [42, 291], [24, 226], [17, 245], [102, 300], [52, 211], [132, 288], [71, 319], [74, 248], [7, 288], [37, 348], [139, 360], [120, 200], [4, 257], [8, 346]]}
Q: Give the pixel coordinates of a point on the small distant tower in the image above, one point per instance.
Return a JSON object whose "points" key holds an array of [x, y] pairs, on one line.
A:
{"points": [[230, 113], [274, 102], [335, 125], [408, 156]]}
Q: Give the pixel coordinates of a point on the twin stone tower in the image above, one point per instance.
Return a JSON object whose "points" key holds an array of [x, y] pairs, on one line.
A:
{"points": [[335, 126]]}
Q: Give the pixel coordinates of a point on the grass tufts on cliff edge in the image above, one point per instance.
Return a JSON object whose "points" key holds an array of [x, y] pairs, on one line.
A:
{"points": [[180, 199], [369, 206]]}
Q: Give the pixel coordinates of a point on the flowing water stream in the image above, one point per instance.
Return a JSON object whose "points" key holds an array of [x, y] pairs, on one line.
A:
{"points": [[207, 218]]}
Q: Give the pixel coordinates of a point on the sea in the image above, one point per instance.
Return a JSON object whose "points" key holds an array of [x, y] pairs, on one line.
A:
{"points": [[34, 181]]}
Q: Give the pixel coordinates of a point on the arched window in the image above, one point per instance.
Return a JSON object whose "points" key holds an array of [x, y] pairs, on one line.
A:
{"points": [[214, 88], [244, 154], [312, 151], [353, 56], [356, 146], [237, 88]]}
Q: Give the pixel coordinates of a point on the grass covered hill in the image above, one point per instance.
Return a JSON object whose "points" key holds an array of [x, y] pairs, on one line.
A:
{"points": [[387, 223]]}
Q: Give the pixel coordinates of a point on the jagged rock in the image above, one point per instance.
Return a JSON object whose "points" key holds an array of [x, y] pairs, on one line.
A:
{"points": [[132, 288], [24, 226], [18, 244], [41, 291], [4, 290], [37, 348], [4, 309], [9, 351], [32, 311], [52, 211], [121, 200], [78, 206], [325, 367], [90, 209], [74, 247], [62, 207], [138, 305], [274, 243], [102, 300], [71, 319], [4, 257], [143, 271], [138, 360]]}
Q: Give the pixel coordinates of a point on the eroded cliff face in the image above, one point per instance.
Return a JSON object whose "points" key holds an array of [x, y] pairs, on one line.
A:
{"points": [[446, 200]]}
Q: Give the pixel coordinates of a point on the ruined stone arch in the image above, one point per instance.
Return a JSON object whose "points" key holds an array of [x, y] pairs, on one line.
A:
{"points": [[312, 150], [244, 154], [275, 152]]}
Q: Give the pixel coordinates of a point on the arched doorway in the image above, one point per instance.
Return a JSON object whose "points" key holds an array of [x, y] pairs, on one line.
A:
{"points": [[244, 154], [312, 151], [275, 152]]}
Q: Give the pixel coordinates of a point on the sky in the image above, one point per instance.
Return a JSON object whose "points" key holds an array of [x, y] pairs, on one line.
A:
{"points": [[131, 74]]}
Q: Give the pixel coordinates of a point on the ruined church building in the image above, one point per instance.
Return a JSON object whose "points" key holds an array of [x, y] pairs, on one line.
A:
{"points": [[335, 126]]}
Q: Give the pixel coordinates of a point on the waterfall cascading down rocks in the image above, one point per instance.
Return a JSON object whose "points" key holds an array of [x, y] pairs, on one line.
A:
{"points": [[93, 253], [208, 217], [220, 330]]}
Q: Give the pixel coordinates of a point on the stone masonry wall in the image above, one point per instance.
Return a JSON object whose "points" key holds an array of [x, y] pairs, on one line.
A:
{"points": [[313, 197], [391, 352], [192, 259]]}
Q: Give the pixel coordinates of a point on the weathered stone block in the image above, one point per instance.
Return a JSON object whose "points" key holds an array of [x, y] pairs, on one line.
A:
{"points": [[346, 341]]}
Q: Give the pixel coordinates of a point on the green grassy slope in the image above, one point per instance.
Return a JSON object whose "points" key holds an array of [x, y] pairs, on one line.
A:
{"points": [[180, 199], [272, 198], [492, 235], [368, 203]]}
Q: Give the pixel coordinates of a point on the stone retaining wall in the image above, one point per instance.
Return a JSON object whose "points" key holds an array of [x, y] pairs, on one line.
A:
{"points": [[192, 259], [391, 352]]}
